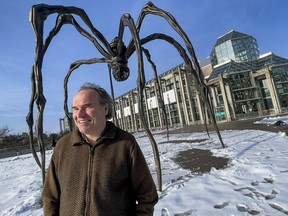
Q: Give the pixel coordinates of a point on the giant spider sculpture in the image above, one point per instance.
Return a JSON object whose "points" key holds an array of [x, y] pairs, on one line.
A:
{"points": [[116, 55]]}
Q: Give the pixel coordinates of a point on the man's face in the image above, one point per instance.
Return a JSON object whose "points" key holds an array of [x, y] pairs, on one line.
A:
{"points": [[89, 115]]}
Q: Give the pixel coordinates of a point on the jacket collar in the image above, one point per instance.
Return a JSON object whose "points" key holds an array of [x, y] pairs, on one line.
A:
{"points": [[108, 133]]}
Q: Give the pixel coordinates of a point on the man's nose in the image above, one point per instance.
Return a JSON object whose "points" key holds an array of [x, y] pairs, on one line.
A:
{"points": [[81, 112]]}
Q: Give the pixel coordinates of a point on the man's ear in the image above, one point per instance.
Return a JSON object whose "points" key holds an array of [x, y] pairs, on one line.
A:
{"points": [[106, 109]]}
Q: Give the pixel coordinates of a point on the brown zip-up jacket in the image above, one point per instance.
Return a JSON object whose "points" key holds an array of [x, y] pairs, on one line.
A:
{"points": [[109, 178]]}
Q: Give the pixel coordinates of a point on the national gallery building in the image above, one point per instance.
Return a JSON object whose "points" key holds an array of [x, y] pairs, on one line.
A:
{"points": [[241, 83]]}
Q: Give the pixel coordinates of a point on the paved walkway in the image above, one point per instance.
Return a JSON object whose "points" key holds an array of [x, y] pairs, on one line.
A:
{"points": [[201, 161], [234, 125]]}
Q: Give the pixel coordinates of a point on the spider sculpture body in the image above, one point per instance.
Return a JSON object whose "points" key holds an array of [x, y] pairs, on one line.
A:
{"points": [[116, 55]]}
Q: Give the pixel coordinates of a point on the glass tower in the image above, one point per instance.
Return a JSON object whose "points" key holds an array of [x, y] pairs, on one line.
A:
{"points": [[234, 46]]}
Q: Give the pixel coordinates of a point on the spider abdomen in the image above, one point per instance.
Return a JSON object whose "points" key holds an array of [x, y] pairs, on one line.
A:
{"points": [[120, 68], [119, 63]]}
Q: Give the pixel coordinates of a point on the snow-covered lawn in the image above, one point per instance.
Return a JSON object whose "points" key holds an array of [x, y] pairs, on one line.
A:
{"points": [[254, 183]]}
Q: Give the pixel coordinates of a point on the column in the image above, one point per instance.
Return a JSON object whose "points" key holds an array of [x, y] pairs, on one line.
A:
{"points": [[158, 104], [177, 98], [189, 79], [185, 109], [273, 91], [225, 99], [147, 110]]}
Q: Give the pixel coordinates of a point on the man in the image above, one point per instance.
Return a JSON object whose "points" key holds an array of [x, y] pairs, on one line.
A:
{"points": [[98, 169], [53, 142]]}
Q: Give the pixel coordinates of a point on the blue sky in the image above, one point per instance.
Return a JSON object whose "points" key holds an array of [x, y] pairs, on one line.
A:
{"points": [[203, 21]]}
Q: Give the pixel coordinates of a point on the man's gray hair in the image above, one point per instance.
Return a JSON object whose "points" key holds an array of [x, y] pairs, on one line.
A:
{"points": [[105, 98]]}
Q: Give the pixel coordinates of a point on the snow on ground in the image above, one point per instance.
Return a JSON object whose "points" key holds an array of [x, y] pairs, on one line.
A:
{"points": [[254, 183]]}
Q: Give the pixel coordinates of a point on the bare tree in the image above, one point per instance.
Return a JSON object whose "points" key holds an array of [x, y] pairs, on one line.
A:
{"points": [[4, 131]]}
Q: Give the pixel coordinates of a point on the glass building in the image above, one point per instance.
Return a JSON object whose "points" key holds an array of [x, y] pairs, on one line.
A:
{"points": [[249, 89], [234, 46], [241, 84]]}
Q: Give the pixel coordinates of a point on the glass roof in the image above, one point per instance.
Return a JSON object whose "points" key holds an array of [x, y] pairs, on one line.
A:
{"points": [[256, 65]]}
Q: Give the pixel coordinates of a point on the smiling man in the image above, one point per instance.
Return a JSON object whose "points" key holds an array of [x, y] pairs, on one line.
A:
{"points": [[98, 169], [90, 112]]}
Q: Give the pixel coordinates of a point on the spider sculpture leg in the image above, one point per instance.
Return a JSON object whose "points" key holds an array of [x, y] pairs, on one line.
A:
{"points": [[73, 67], [159, 89], [193, 67], [29, 119], [37, 92], [126, 20], [38, 15], [114, 56]]}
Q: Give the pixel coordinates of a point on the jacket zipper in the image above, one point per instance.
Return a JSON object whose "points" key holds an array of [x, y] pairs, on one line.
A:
{"points": [[88, 186]]}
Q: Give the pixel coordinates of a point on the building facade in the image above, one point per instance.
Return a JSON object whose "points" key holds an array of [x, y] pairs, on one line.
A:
{"points": [[180, 100], [235, 46], [250, 89], [241, 84]]}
